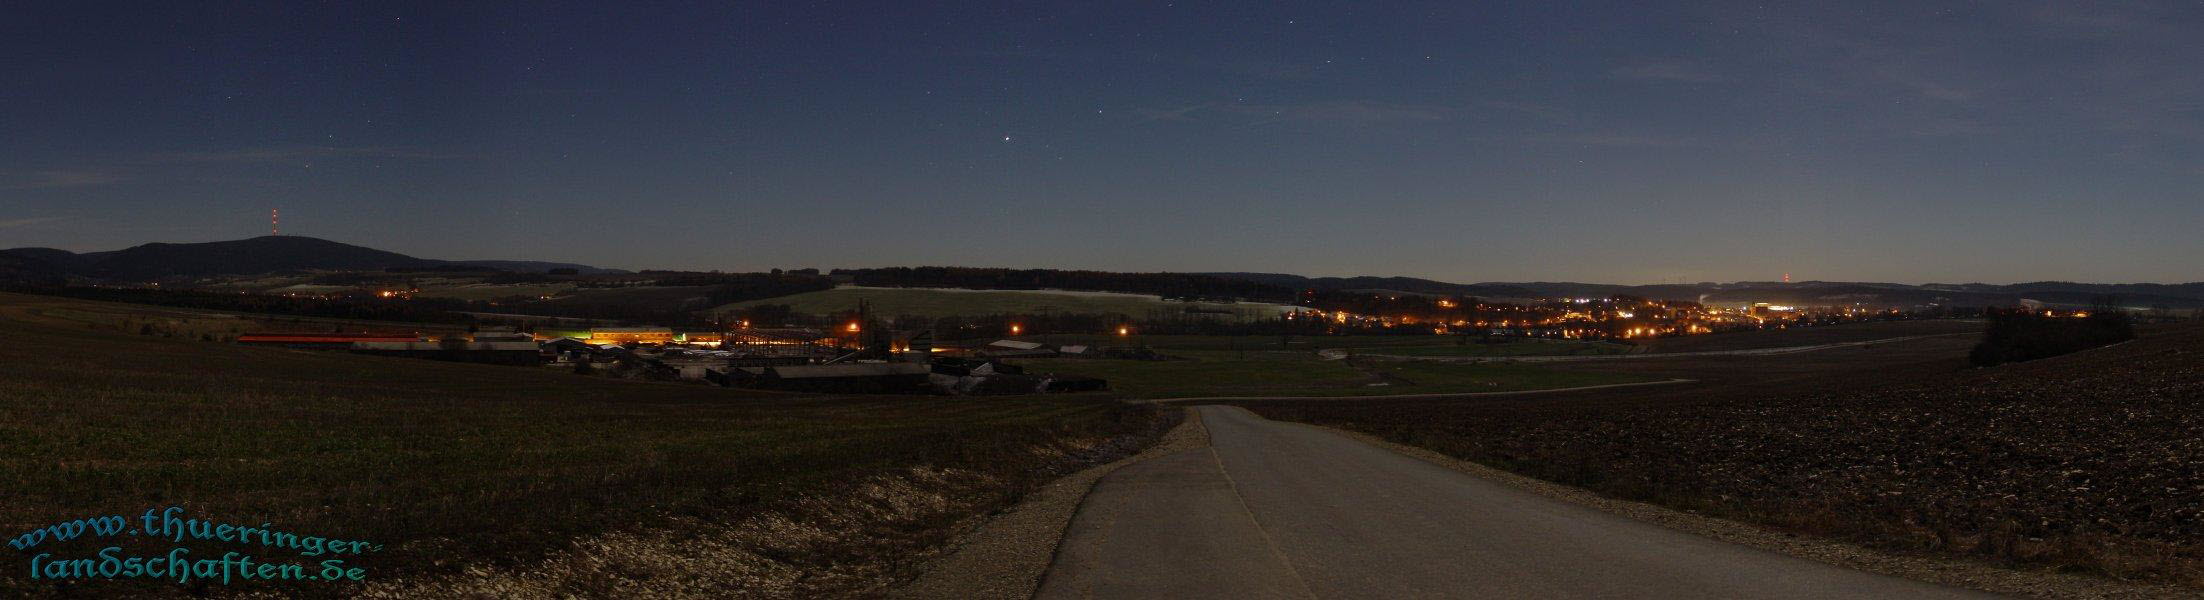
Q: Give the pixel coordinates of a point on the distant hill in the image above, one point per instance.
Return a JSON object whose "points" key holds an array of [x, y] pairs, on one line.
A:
{"points": [[1815, 293], [263, 254], [242, 257], [28, 269], [54, 257], [294, 253]]}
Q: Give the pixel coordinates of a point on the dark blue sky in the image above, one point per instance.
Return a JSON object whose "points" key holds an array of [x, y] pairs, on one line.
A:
{"points": [[1909, 142]]}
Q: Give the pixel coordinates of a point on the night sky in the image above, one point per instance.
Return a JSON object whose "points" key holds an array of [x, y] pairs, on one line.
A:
{"points": [[1908, 142]]}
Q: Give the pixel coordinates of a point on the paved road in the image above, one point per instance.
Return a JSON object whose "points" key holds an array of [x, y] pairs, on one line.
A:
{"points": [[1278, 510]]}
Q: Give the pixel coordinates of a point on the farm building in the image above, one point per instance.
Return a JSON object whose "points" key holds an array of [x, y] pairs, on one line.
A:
{"points": [[698, 337], [768, 361], [694, 368], [749, 337], [963, 367], [1017, 349], [566, 344], [912, 346], [850, 378], [631, 335]]}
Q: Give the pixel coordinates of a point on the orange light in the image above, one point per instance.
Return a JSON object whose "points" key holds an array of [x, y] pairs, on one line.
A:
{"points": [[1015, 329], [853, 327], [1124, 330]]}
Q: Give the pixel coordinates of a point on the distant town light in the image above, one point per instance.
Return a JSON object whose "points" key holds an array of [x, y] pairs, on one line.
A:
{"points": [[853, 327], [1122, 330]]}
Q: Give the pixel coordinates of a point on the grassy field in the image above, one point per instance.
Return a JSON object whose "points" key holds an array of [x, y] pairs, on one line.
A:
{"points": [[491, 291], [1519, 347], [935, 303], [1391, 345], [661, 294], [1426, 377], [2085, 462], [190, 323], [1268, 373], [1811, 336], [497, 481], [1218, 365]]}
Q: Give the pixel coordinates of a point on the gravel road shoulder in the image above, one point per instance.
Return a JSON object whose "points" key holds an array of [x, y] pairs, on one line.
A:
{"points": [[1003, 556]]}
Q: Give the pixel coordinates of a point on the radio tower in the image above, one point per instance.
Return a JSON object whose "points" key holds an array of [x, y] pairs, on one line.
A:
{"points": [[275, 224]]}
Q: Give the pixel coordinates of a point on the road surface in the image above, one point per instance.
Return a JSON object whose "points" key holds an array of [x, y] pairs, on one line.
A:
{"points": [[1280, 510]]}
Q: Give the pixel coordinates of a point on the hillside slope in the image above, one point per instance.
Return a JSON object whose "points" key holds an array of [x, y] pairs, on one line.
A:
{"points": [[26, 269], [250, 256], [237, 257]]}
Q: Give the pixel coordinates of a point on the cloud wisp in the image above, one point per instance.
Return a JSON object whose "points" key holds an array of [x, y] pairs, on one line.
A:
{"points": [[1346, 112], [67, 178], [1665, 70], [290, 154], [28, 221], [146, 167], [1609, 140]]}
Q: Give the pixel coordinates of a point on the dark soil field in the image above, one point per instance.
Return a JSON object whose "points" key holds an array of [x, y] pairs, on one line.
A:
{"points": [[2090, 462], [490, 481]]}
